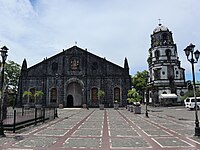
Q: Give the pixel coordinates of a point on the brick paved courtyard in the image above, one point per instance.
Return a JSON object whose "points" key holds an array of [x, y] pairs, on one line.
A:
{"points": [[78, 129]]}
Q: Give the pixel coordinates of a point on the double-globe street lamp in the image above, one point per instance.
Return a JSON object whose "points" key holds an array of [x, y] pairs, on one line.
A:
{"points": [[189, 51], [4, 55]]}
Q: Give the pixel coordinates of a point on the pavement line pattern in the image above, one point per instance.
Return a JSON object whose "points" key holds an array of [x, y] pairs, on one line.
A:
{"points": [[153, 144], [166, 128], [106, 129], [66, 139]]}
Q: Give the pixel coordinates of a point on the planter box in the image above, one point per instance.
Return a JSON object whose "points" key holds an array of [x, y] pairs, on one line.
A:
{"points": [[38, 106], [137, 110], [116, 106], [101, 106], [84, 106], [60, 106], [26, 106], [131, 108]]}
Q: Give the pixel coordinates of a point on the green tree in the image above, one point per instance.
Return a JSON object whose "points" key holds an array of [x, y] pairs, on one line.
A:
{"points": [[139, 82], [101, 95], [190, 93], [133, 96], [27, 94], [38, 95], [12, 73]]}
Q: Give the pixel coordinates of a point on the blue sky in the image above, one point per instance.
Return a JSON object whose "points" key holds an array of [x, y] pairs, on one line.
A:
{"points": [[115, 29]]}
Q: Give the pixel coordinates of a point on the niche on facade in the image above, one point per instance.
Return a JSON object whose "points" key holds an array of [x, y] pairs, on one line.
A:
{"points": [[74, 63]]}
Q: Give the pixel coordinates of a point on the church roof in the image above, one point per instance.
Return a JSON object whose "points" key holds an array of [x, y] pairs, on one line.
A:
{"points": [[159, 28], [73, 51]]}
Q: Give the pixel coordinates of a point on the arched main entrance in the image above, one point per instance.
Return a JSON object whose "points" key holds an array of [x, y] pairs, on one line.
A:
{"points": [[74, 95], [70, 100]]}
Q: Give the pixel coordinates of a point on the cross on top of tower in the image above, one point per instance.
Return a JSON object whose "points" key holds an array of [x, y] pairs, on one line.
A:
{"points": [[159, 22]]}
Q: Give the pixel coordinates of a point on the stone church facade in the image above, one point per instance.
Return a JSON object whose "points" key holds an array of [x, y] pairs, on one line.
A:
{"points": [[166, 76], [73, 78]]}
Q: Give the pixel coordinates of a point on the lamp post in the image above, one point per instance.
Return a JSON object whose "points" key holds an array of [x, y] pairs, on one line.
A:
{"points": [[189, 51], [147, 95], [146, 114], [4, 55]]}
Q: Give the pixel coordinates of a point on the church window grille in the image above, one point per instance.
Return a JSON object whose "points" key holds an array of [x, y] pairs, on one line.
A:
{"points": [[53, 95], [94, 95], [32, 98], [117, 94]]}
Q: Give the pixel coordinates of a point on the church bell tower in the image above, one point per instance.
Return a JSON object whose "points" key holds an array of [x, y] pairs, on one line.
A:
{"points": [[165, 73]]}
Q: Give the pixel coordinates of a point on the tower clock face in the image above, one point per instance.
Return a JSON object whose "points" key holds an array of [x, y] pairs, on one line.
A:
{"points": [[74, 63]]}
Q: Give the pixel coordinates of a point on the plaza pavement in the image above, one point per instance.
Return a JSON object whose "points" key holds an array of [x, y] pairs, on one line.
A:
{"points": [[109, 129]]}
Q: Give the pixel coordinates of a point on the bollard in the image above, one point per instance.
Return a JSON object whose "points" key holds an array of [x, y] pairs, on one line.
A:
{"points": [[14, 121]]}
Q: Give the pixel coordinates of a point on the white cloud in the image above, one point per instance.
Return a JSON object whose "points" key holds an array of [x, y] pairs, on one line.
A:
{"points": [[113, 29]]}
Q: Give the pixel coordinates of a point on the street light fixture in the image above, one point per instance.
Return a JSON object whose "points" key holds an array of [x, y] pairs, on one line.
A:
{"points": [[147, 95], [146, 114], [4, 55], [190, 50]]}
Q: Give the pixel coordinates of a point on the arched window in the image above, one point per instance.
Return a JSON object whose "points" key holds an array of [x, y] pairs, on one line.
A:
{"points": [[157, 54], [94, 95], [53, 95], [165, 38], [168, 54], [117, 94], [32, 98], [157, 74]]}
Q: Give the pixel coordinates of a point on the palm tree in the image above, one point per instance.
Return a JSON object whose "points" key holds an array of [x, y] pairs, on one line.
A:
{"points": [[101, 95], [38, 95], [27, 94]]}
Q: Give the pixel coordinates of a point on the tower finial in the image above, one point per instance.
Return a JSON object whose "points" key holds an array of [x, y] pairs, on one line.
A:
{"points": [[159, 22]]}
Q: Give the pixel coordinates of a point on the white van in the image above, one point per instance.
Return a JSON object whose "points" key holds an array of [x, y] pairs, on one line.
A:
{"points": [[190, 102]]}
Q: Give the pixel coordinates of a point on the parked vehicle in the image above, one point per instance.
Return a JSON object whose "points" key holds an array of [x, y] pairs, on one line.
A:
{"points": [[190, 102]]}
